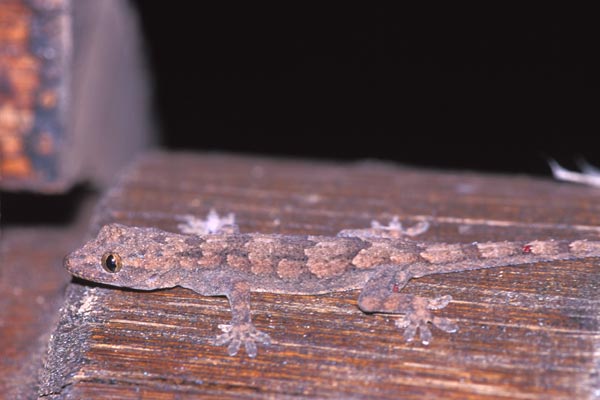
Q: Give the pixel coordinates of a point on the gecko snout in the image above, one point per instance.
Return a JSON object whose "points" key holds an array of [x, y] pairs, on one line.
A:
{"points": [[68, 262]]}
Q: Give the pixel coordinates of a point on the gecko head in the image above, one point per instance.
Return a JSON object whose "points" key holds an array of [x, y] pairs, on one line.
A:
{"points": [[138, 258]]}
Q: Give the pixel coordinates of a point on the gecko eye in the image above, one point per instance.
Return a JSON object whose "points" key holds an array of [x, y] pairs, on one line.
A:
{"points": [[111, 262]]}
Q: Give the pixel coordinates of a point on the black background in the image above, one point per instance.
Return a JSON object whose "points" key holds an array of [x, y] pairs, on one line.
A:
{"points": [[491, 90], [488, 90]]}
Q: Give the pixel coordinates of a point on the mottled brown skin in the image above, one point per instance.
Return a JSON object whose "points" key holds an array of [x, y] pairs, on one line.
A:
{"points": [[235, 264]]}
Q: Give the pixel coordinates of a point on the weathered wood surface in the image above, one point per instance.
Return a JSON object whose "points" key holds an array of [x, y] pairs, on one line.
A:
{"points": [[35, 233], [32, 285], [526, 332]]}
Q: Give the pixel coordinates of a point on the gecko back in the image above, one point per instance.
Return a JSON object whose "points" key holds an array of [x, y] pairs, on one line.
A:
{"points": [[149, 258]]}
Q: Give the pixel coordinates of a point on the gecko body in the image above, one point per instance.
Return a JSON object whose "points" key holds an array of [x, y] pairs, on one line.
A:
{"points": [[380, 261]]}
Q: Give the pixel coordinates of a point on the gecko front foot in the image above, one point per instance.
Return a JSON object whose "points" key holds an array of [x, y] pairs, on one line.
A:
{"points": [[213, 223], [419, 317], [235, 335]]}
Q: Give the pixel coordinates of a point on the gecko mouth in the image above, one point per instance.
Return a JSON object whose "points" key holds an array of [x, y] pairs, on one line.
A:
{"points": [[153, 278]]}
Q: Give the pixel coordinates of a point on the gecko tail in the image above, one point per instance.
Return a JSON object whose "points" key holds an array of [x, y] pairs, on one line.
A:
{"points": [[449, 258]]}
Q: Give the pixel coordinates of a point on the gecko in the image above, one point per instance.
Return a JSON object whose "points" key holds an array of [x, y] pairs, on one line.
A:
{"points": [[211, 257]]}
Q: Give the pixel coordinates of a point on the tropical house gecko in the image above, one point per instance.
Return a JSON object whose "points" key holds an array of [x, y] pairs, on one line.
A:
{"points": [[213, 258]]}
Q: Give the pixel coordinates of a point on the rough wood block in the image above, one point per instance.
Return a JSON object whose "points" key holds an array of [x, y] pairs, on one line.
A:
{"points": [[525, 331], [72, 92], [33, 62]]}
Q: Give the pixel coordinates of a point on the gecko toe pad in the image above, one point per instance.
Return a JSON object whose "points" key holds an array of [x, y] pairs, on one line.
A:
{"points": [[419, 319], [235, 335]]}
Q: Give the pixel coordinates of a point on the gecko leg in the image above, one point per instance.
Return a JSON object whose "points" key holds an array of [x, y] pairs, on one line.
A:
{"points": [[241, 330], [381, 295]]}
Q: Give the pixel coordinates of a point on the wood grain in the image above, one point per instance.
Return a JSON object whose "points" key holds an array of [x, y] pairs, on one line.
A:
{"points": [[526, 332]]}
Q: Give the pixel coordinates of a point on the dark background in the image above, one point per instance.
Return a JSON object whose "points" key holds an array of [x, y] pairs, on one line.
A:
{"points": [[455, 89]]}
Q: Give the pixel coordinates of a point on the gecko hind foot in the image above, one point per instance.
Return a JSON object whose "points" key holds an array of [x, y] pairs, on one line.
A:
{"points": [[235, 335], [419, 318], [395, 228]]}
